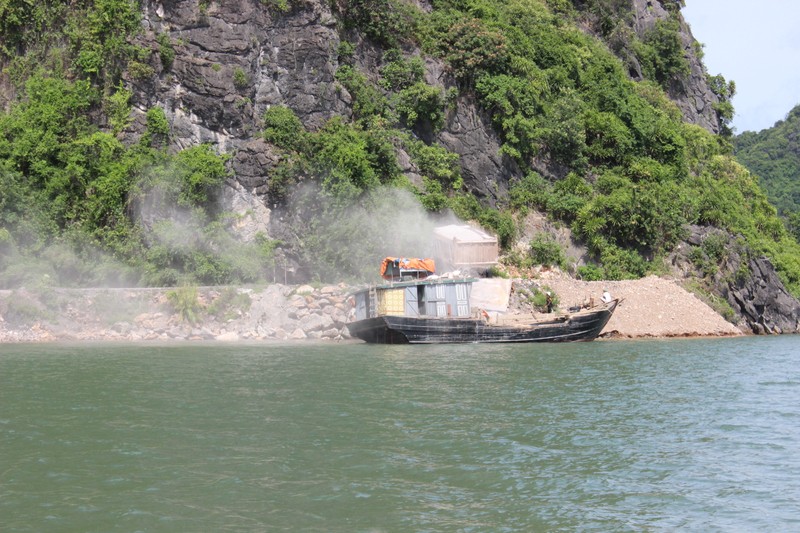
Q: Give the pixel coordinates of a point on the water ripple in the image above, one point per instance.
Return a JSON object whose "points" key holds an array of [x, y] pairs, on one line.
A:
{"points": [[611, 436]]}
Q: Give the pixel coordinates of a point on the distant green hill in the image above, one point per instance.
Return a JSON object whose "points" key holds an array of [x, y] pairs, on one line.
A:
{"points": [[773, 155]]}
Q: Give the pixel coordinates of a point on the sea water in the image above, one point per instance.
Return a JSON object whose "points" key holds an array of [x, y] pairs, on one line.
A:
{"points": [[698, 435]]}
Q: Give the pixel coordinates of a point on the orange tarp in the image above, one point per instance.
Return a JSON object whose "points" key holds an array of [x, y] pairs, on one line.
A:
{"points": [[425, 266]]}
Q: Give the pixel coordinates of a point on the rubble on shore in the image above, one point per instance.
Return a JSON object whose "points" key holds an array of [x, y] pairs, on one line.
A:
{"points": [[651, 307], [275, 312]]}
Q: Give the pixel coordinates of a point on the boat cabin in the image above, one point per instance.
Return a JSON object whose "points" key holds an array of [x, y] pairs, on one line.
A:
{"points": [[441, 298]]}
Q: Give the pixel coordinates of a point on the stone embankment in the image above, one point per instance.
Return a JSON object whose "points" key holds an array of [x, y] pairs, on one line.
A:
{"points": [[276, 312]]}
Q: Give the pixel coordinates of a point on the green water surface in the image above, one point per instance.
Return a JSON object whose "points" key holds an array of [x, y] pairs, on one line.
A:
{"points": [[699, 435]]}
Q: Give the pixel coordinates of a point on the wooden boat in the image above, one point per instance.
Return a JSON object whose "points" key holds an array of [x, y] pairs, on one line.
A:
{"points": [[439, 311], [581, 326]]}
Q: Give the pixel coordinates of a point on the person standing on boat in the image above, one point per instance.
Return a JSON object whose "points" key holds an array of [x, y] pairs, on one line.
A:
{"points": [[606, 298]]}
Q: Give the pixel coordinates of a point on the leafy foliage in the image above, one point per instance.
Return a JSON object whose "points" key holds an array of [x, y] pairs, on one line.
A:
{"points": [[185, 301], [471, 48], [725, 91], [546, 251], [201, 173], [98, 37], [166, 51], [399, 73], [661, 53], [282, 128], [230, 304], [368, 101], [240, 78], [118, 109], [386, 21], [156, 133]]}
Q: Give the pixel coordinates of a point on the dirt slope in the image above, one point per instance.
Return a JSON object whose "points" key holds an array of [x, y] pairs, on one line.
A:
{"points": [[651, 307]]}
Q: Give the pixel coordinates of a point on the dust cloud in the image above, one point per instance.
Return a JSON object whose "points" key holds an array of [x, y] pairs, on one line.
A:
{"points": [[316, 238], [348, 242]]}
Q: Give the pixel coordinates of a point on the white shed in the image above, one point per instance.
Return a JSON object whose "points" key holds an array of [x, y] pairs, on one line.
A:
{"points": [[460, 246]]}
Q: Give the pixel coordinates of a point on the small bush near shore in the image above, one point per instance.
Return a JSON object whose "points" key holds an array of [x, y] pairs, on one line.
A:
{"points": [[547, 252], [230, 304], [21, 308], [186, 302]]}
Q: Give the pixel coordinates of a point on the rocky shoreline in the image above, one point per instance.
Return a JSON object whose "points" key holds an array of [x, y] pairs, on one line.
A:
{"points": [[651, 307], [275, 312]]}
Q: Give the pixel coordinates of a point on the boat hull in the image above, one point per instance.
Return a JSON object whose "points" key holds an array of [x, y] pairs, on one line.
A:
{"points": [[584, 326]]}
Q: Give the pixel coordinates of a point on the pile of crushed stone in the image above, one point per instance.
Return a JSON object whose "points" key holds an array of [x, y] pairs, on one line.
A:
{"points": [[650, 307]]}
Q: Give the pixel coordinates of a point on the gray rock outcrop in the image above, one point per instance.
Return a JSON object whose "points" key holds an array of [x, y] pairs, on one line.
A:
{"points": [[761, 297], [485, 169], [749, 283], [690, 93]]}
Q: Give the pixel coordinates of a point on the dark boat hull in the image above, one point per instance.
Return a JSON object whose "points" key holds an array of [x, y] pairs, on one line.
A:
{"points": [[584, 326]]}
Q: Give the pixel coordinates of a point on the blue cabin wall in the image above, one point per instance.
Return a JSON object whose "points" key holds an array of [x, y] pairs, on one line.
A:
{"points": [[435, 300], [411, 301], [429, 299]]}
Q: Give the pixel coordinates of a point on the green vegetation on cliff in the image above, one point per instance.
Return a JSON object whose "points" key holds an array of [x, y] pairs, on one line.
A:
{"points": [[636, 173], [626, 172], [70, 189]]}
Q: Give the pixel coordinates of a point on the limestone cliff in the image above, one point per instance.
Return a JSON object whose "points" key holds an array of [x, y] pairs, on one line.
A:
{"points": [[746, 281], [691, 92], [236, 59], [215, 68]]}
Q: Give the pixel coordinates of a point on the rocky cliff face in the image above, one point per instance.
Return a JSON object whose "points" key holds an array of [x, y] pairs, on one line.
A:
{"points": [[233, 61], [236, 59], [691, 93], [748, 283], [761, 298]]}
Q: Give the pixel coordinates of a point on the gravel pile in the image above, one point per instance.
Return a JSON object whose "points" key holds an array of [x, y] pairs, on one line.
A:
{"points": [[651, 307]]}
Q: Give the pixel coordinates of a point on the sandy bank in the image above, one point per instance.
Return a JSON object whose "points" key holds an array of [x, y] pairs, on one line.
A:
{"points": [[651, 307]]}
